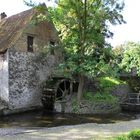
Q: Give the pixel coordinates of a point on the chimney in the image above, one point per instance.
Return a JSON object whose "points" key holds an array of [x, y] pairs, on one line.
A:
{"points": [[2, 15]]}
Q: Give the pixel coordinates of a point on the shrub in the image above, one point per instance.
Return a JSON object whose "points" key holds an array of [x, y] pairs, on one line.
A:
{"points": [[107, 83], [75, 106], [88, 96], [98, 97], [135, 134], [121, 138]]}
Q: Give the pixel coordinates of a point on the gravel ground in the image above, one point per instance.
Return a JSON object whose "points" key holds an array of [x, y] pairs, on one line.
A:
{"points": [[76, 132]]}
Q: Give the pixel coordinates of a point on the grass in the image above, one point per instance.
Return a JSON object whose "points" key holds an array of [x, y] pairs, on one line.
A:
{"points": [[109, 82], [103, 95], [75, 106], [133, 135], [98, 97], [105, 86]]}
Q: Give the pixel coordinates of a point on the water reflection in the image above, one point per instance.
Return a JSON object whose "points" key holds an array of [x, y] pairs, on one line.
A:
{"points": [[44, 119]]}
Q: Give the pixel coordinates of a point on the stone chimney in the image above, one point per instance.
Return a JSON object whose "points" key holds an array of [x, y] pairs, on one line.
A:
{"points": [[2, 16]]}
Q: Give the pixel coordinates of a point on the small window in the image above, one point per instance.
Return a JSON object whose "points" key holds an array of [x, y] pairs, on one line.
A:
{"points": [[52, 43], [30, 43]]}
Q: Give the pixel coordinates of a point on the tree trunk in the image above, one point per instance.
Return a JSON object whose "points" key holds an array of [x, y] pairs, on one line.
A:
{"points": [[80, 88]]}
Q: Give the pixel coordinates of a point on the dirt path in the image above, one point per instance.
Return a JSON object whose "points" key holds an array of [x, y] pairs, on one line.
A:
{"points": [[76, 132]]}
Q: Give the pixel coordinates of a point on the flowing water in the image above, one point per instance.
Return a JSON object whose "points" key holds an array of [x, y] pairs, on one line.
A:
{"points": [[43, 119]]}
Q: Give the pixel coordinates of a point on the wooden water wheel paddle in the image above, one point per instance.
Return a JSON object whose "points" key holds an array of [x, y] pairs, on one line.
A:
{"points": [[63, 90], [56, 89]]}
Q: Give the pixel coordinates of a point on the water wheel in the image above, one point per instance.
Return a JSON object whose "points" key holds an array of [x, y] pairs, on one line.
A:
{"points": [[63, 90], [56, 89]]}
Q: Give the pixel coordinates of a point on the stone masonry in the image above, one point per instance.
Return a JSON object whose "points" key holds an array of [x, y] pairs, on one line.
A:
{"points": [[25, 77]]}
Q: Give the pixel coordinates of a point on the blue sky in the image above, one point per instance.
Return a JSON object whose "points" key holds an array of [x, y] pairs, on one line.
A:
{"points": [[122, 33]]}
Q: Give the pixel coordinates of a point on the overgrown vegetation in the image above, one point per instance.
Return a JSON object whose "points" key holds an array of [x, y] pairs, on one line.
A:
{"points": [[106, 84], [103, 95], [128, 57], [133, 135], [102, 98], [75, 107], [98, 97], [109, 82]]}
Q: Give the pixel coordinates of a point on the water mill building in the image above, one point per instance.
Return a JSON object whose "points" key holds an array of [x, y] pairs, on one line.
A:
{"points": [[24, 38]]}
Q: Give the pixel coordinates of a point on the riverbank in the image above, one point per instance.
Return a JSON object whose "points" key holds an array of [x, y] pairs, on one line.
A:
{"points": [[88, 131]]}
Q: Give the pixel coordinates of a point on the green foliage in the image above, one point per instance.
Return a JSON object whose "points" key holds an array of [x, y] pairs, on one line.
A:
{"points": [[123, 137], [99, 97], [29, 3], [118, 52], [107, 83], [74, 106], [88, 96], [82, 27], [131, 57], [103, 94], [41, 12], [105, 98], [135, 134]]}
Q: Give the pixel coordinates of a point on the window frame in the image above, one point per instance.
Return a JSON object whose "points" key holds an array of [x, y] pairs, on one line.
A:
{"points": [[30, 43], [52, 43]]}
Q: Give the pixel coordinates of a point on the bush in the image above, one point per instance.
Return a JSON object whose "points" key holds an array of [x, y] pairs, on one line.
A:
{"points": [[121, 138], [88, 96], [107, 83], [98, 97], [135, 134], [74, 106]]}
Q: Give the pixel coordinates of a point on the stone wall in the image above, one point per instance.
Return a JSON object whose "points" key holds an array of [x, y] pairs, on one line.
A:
{"points": [[26, 72], [4, 88], [121, 91]]}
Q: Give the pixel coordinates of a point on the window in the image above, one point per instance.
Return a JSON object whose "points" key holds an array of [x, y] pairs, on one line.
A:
{"points": [[30, 43], [52, 43]]}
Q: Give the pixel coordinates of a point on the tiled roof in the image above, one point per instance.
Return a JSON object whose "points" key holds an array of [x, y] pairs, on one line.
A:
{"points": [[12, 27]]}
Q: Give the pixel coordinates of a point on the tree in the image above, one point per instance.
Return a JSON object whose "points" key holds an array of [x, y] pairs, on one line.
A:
{"points": [[131, 57], [83, 27], [118, 54]]}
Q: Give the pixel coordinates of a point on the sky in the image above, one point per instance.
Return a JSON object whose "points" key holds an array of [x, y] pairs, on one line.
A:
{"points": [[122, 33], [131, 30]]}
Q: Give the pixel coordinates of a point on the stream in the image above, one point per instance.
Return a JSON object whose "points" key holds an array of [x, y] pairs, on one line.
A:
{"points": [[44, 119]]}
